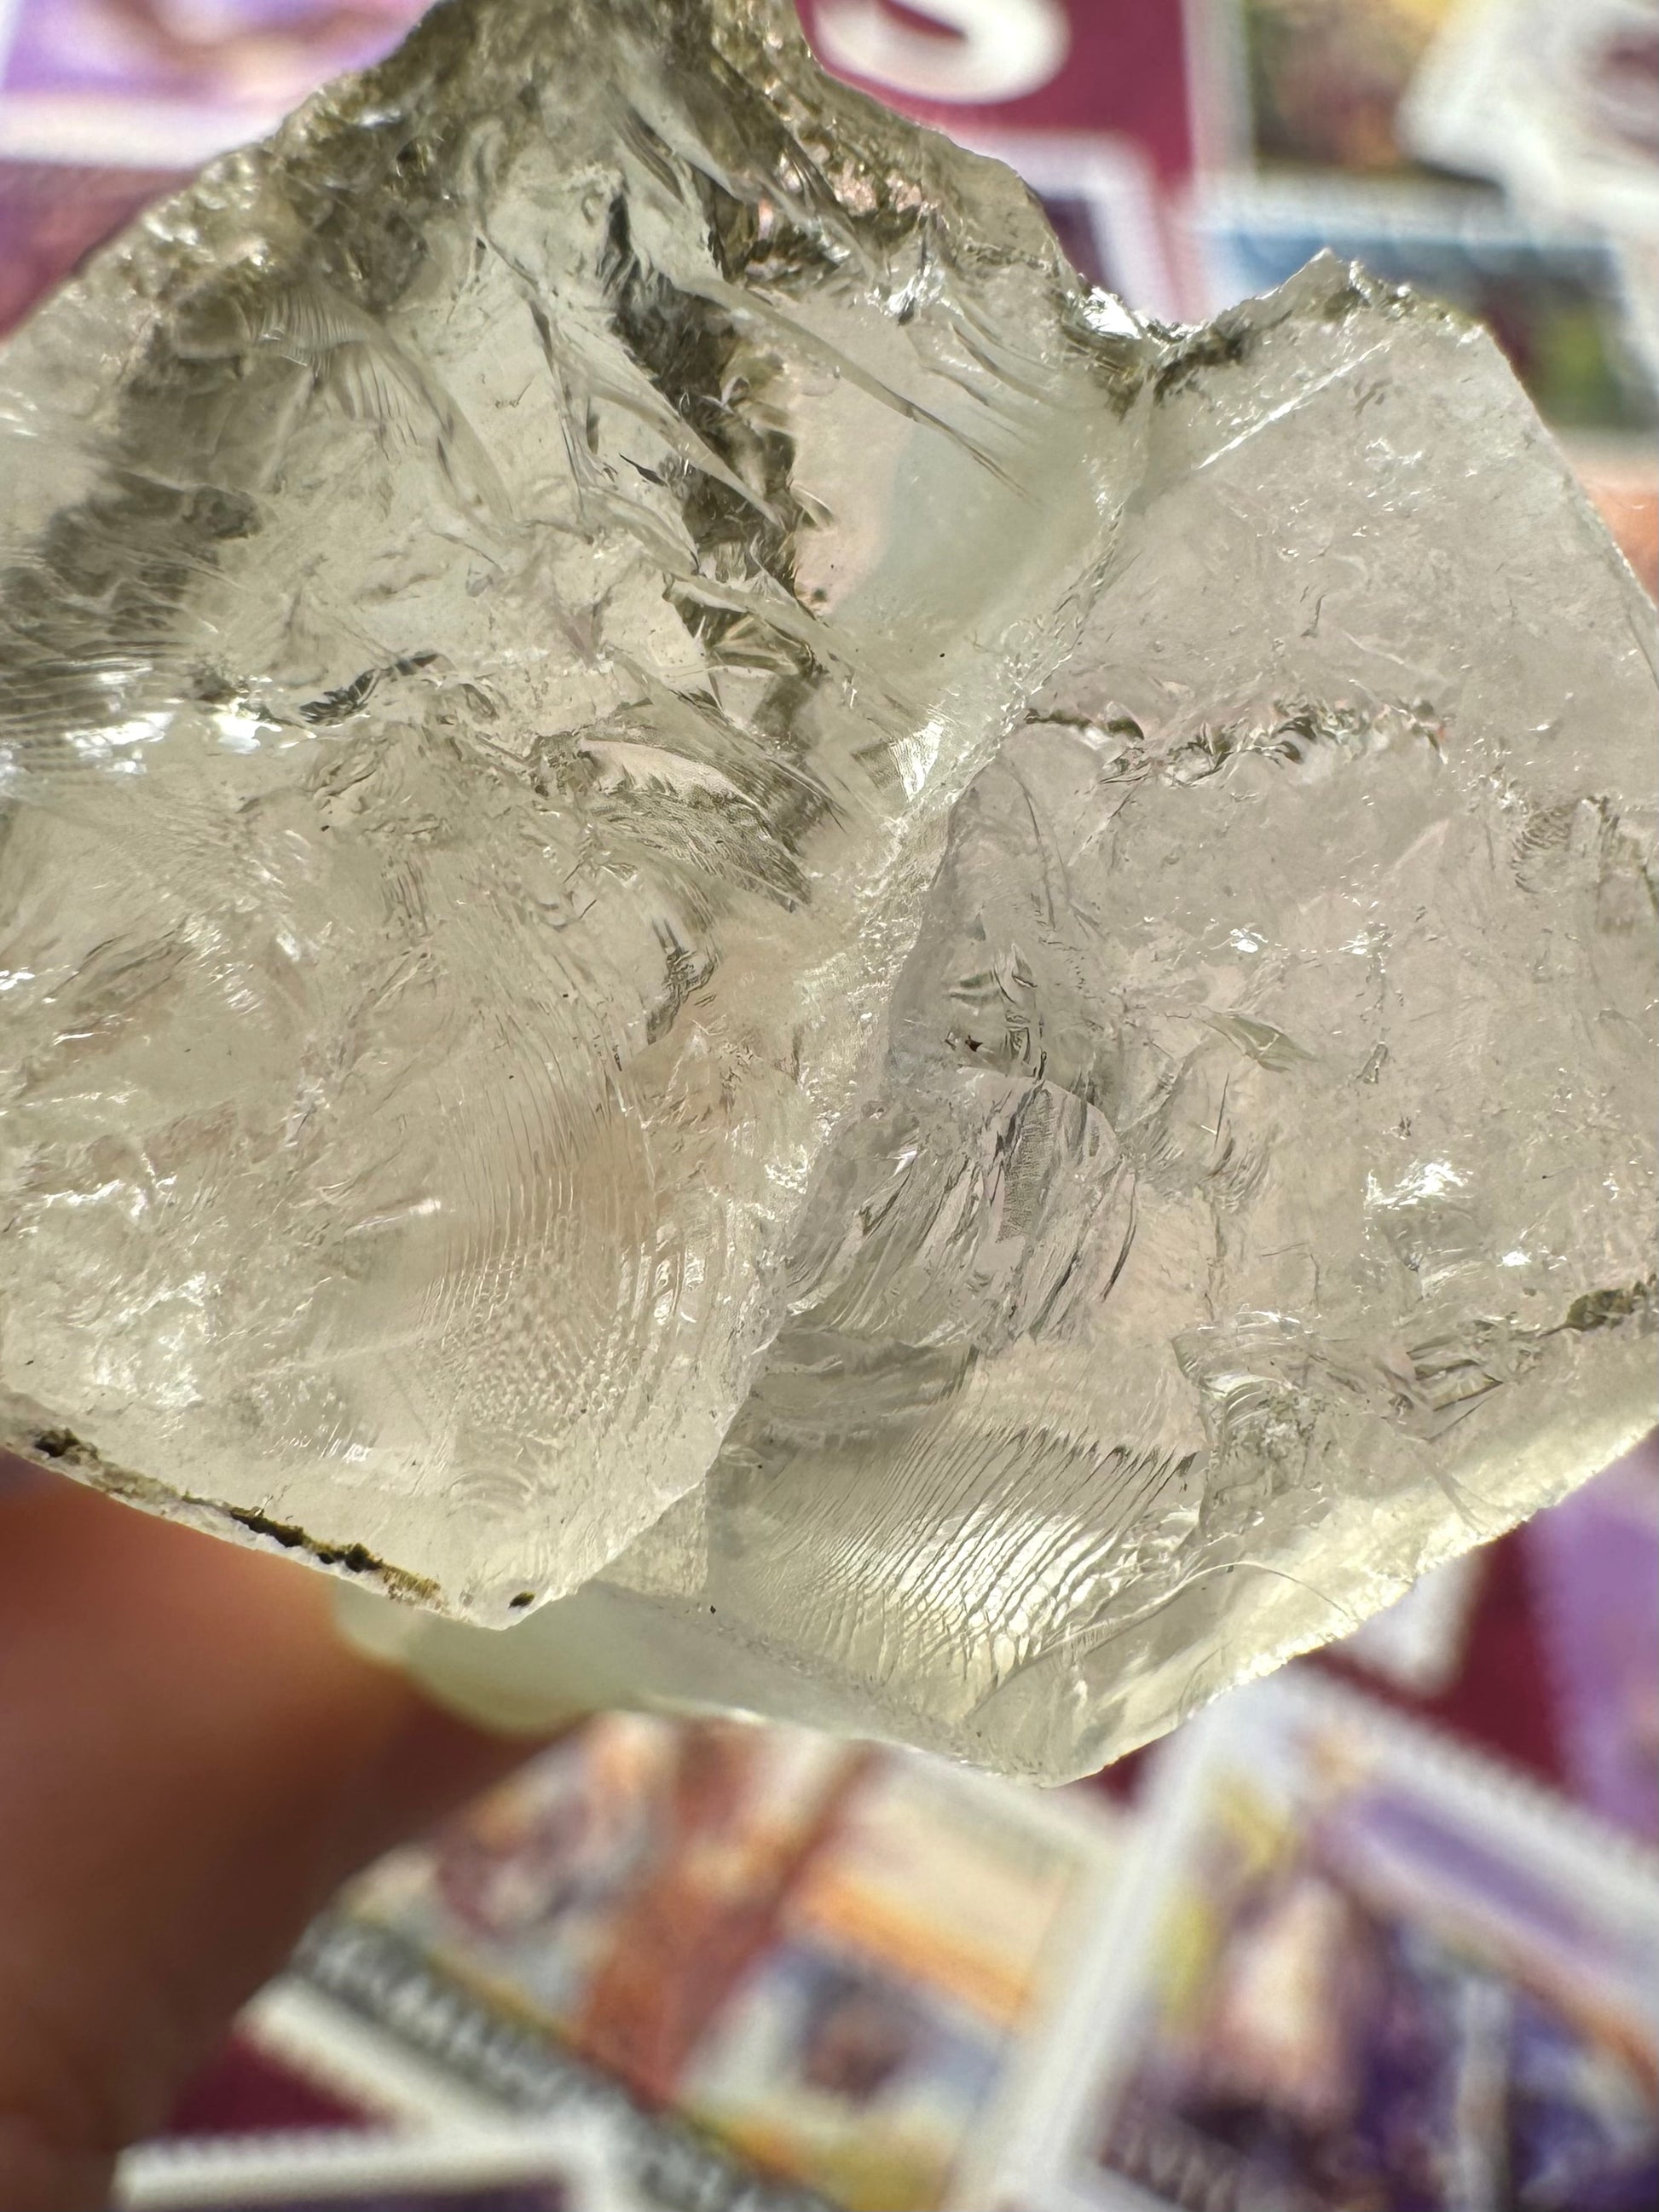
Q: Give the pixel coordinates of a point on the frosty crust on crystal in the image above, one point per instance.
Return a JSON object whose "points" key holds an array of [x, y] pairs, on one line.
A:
{"points": [[506, 596]]}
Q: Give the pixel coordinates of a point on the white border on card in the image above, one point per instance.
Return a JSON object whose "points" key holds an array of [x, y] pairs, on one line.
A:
{"points": [[1486, 98], [249, 2170], [1458, 109], [1218, 86], [1083, 1819], [1087, 2053], [1418, 1643], [341, 2052], [1638, 286], [1114, 178]]}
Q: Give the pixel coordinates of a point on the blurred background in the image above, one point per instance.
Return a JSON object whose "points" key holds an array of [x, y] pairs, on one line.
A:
{"points": [[1382, 1932]]}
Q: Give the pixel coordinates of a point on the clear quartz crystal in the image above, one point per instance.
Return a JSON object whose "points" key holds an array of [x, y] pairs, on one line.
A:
{"points": [[511, 591]]}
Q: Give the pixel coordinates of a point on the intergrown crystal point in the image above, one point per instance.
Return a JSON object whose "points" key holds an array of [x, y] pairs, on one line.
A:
{"points": [[727, 920]]}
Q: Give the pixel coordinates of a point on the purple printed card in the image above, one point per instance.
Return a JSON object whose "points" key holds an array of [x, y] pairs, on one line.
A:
{"points": [[52, 214], [170, 83], [1595, 1565], [1357, 1971], [223, 52]]}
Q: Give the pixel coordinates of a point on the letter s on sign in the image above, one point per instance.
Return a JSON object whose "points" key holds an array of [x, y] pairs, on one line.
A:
{"points": [[1001, 50]]}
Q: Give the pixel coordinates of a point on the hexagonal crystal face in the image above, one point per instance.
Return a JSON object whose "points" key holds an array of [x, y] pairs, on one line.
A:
{"points": [[514, 586]]}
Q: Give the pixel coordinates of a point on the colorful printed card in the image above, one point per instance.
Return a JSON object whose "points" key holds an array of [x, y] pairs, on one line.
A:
{"points": [[1289, 87], [867, 2048], [828, 1961], [1358, 1972]]}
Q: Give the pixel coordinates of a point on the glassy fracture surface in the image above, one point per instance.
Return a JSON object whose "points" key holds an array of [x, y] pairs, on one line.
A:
{"points": [[727, 919]]}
